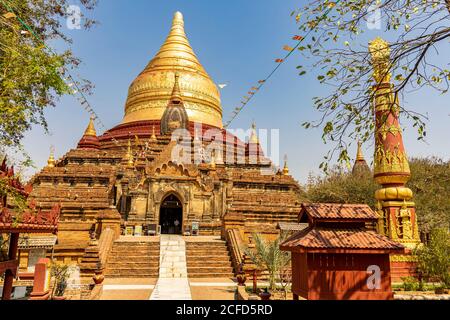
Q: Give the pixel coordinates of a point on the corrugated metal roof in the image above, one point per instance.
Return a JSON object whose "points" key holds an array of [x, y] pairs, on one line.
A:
{"points": [[36, 241], [291, 226], [321, 238], [339, 211]]}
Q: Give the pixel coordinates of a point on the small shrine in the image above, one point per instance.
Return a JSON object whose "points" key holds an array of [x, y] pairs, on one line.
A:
{"points": [[15, 221], [338, 256]]}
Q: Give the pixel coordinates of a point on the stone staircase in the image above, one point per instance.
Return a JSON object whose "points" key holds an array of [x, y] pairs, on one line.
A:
{"points": [[173, 283], [172, 257], [137, 258], [208, 258]]}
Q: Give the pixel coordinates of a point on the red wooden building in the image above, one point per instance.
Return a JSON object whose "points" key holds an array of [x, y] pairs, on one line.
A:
{"points": [[13, 223], [339, 256]]}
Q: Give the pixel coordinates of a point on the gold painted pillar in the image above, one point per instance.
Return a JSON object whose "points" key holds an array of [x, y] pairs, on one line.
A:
{"points": [[398, 218]]}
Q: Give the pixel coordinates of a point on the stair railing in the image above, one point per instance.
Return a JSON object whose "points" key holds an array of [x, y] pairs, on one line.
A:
{"points": [[105, 244], [235, 246]]}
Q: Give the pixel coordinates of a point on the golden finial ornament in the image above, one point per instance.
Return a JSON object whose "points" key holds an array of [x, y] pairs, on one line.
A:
{"points": [[359, 153], [90, 130], [152, 89], [176, 91], [153, 137], [254, 136], [51, 162], [129, 155], [286, 168]]}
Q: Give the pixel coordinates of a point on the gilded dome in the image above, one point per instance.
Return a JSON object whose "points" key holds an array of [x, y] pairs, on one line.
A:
{"points": [[149, 94]]}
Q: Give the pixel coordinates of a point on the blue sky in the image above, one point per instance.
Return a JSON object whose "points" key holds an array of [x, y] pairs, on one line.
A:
{"points": [[237, 42]]}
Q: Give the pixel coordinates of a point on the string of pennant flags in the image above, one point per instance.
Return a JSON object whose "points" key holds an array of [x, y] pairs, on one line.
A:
{"points": [[279, 61], [70, 80]]}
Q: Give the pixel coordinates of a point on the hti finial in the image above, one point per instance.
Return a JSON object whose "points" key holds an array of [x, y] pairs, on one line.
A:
{"points": [[90, 130], [254, 136], [359, 153], [176, 92], [51, 162], [178, 18], [286, 168]]}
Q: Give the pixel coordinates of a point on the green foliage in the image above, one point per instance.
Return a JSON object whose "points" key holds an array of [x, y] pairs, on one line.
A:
{"points": [[434, 258], [337, 49], [410, 284], [4, 245], [268, 256], [61, 273], [15, 198], [430, 183], [31, 75], [340, 186]]}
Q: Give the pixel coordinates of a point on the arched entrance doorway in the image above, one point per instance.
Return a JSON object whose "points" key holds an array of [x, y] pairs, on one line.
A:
{"points": [[171, 215]]}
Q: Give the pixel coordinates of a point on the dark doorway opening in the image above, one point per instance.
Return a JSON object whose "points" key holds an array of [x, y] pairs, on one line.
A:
{"points": [[171, 215]]}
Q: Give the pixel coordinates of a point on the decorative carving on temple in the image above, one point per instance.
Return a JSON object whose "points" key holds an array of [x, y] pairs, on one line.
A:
{"points": [[175, 116], [29, 218], [381, 52]]}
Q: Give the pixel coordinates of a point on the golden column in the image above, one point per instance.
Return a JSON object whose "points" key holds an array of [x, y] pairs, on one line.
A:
{"points": [[398, 218]]}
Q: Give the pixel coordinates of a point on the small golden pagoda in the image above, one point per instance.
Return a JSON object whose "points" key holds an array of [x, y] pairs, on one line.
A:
{"points": [[51, 162], [360, 167]]}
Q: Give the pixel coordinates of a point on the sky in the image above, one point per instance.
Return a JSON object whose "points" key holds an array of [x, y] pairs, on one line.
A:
{"points": [[237, 42]]}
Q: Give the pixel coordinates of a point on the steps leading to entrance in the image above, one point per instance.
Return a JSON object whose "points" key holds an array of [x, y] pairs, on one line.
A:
{"points": [[208, 259], [133, 259], [173, 283], [172, 257]]}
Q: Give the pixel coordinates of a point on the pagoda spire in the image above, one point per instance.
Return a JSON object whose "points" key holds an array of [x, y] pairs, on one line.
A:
{"points": [[90, 130], [175, 116], [51, 162], [254, 136], [253, 149], [397, 213], [359, 154], [89, 140], [128, 159], [153, 137], [176, 92], [286, 168], [360, 166]]}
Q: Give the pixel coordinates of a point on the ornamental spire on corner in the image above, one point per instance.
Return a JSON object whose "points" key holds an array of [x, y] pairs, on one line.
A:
{"points": [[89, 140], [360, 166], [398, 218], [175, 116]]}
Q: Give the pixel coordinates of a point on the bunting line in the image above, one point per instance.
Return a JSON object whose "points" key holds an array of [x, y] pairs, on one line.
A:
{"points": [[279, 62]]}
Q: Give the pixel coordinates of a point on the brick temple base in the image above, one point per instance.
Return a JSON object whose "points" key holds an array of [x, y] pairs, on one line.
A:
{"points": [[404, 265]]}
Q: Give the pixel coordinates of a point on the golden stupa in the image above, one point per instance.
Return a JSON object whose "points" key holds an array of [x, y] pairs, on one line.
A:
{"points": [[150, 92]]}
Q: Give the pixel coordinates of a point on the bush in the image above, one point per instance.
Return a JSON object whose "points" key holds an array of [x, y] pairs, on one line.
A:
{"points": [[434, 258], [410, 284]]}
